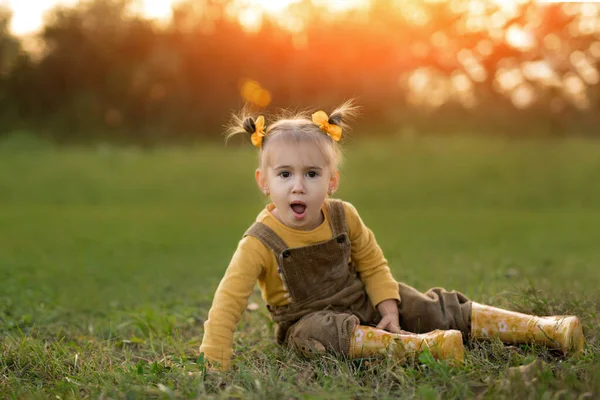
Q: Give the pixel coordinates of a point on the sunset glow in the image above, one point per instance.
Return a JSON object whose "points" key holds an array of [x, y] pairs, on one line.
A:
{"points": [[447, 65], [28, 15], [270, 6], [250, 13]]}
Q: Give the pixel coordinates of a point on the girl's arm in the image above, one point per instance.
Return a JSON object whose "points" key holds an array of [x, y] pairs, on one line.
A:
{"points": [[369, 260], [231, 300]]}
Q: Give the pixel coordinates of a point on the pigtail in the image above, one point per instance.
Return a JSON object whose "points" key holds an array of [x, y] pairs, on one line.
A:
{"points": [[249, 125], [242, 123], [343, 115]]}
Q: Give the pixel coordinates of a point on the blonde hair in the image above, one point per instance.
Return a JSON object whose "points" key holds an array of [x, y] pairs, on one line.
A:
{"points": [[297, 128]]}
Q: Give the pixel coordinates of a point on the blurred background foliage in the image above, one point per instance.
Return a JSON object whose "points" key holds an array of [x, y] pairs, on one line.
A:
{"points": [[98, 70]]}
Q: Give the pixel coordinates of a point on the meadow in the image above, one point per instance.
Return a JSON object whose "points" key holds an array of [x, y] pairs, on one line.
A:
{"points": [[109, 257]]}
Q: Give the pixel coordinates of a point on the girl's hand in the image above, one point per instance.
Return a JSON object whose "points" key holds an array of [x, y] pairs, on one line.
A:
{"points": [[389, 316], [390, 324]]}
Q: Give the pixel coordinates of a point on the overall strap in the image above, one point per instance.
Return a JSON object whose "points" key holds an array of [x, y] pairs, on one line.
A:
{"points": [[337, 216], [267, 236]]}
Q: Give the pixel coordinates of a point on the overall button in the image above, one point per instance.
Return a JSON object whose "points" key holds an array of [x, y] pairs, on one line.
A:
{"points": [[286, 253], [341, 239]]}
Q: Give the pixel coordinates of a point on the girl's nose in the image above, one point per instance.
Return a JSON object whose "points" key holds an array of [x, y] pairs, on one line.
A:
{"points": [[298, 186]]}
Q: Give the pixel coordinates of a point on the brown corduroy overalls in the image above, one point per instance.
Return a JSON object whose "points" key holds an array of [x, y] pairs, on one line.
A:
{"points": [[328, 299]]}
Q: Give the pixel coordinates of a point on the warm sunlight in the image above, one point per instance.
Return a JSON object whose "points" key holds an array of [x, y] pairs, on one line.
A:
{"points": [[28, 15], [270, 6], [428, 86], [277, 6], [250, 13]]}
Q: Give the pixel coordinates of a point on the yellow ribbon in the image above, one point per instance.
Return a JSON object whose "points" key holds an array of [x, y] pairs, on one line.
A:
{"points": [[259, 131], [322, 120]]}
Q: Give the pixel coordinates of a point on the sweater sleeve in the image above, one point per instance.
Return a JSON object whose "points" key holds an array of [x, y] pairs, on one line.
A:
{"points": [[369, 261], [231, 300]]}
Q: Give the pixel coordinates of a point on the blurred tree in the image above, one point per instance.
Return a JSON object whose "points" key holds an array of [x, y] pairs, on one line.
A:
{"points": [[104, 70], [11, 57], [9, 45]]}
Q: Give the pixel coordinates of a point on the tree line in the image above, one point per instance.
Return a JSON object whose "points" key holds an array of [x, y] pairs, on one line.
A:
{"points": [[97, 70]]}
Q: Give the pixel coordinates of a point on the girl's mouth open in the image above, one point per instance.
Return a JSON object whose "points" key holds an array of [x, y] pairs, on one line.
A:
{"points": [[298, 209]]}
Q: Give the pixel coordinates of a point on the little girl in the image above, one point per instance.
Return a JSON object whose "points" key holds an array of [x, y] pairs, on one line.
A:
{"points": [[322, 275]]}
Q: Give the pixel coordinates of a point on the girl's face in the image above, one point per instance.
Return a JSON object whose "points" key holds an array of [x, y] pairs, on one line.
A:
{"points": [[298, 178]]}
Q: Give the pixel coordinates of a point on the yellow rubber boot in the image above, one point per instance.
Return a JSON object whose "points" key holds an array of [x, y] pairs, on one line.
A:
{"points": [[367, 341], [557, 332]]}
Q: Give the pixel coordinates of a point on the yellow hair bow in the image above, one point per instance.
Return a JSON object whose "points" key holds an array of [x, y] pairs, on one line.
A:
{"points": [[259, 131], [322, 120]]}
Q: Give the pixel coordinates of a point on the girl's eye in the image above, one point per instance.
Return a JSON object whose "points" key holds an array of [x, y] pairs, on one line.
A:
{"points": [[284, 174], [312, 174]]}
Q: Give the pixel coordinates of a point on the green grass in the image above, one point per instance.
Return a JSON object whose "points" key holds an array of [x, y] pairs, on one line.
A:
{"points": [[109, 258]]}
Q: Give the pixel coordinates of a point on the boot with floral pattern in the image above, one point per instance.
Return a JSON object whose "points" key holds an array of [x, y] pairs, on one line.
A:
{"points": [[367, 341], [558, 332]]}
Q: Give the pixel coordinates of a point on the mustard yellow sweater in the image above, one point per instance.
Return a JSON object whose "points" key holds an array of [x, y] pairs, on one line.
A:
{"points": [[253, 262]]}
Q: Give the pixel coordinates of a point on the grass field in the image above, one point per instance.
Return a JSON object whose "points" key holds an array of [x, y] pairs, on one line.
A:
{"points": [[109, 258]]}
